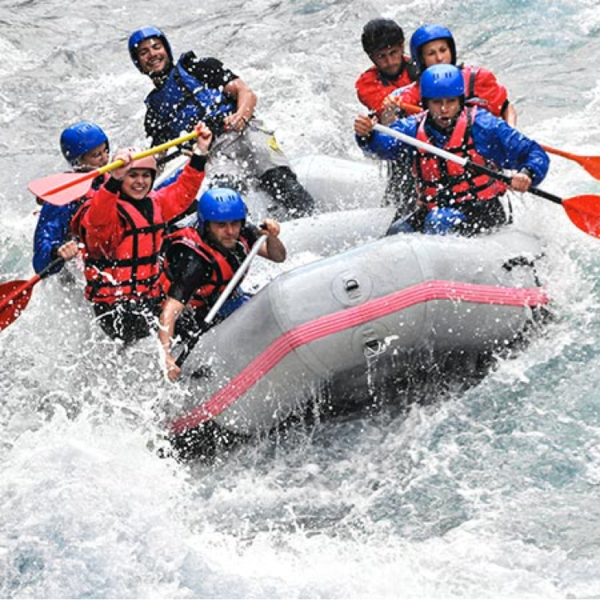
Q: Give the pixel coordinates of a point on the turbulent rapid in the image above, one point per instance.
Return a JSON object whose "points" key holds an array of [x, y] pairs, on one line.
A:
{"points": [[490, 491]]}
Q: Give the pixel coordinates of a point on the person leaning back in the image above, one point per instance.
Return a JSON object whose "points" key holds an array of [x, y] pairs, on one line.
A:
{"points": [[194, 89]]}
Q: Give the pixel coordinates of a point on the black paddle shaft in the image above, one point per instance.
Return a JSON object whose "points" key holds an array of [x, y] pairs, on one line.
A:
{"points": [[507, 179]]}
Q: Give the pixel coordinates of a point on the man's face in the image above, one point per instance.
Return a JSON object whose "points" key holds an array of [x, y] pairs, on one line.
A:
{"points": [[153, 56], [95, 158], [444, 111], [436, 52], [389, 60], [137, 183], [226, 233]]}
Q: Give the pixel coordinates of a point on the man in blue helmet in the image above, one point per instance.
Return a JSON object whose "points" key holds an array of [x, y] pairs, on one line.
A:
{"points": [[194, 89], [85, 146], [452, 198], [200, 261]]}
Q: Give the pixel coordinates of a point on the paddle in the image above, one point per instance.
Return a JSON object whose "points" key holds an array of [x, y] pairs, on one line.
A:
{"points": [[584, 210], [15, 295], [590, 163], [62, 188], [221, 300]]}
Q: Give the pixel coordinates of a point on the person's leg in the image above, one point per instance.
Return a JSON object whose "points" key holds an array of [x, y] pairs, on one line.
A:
{"points": [[274, 172], [128, 321], [283, 186]]}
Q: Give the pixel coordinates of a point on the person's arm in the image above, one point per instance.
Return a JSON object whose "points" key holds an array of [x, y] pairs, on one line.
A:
{"points": [[51, 232], [187, 272], [101, 228], [383, 146], [172, 308], [510, 149], [493, 95], [245, 105], [175, 198], [273, 249], [509, 114]]}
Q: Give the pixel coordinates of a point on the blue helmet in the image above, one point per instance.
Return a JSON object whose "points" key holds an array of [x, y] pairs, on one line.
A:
{"points": [[220, 204], [426, 34], [80, 138], [442, 81], [145, 33]]}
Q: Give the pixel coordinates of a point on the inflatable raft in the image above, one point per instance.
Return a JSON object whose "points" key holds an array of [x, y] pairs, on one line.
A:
{"points": [[337, 332]]}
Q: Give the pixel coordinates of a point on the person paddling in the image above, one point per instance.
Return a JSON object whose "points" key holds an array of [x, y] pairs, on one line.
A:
{"points": [[200, 261], [122, 227], [450, 197], [194, 89], [435, 44], [85, 146]]}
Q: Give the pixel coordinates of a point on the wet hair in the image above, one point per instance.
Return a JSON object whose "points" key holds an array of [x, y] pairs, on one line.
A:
{"points": [[381, 33]]}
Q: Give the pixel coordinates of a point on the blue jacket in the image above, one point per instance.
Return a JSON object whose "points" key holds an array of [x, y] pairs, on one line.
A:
{"points": [[493, 139], [53, 230]]}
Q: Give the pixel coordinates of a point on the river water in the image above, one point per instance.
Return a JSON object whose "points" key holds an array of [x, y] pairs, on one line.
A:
{"points": [[488, 493]]}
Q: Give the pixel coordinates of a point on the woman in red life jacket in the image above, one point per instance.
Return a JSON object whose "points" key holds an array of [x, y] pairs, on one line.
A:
{"points": [[201, 261], [434, 44], [122, 227]]}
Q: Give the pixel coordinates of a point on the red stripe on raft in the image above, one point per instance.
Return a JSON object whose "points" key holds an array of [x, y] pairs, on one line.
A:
{"points": [[345, 319]]}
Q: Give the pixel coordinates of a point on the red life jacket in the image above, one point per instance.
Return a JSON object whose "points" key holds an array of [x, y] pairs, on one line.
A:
{"points": [[134, 272], [442, 182], [222, 271], [372, 88]]}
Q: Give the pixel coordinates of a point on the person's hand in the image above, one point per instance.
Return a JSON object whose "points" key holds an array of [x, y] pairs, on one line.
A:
{"points": [[127, 157], [520, 182], [235, 122], [204, 138], [173, 371], [363, 125], [68, 250], [269, 227]]}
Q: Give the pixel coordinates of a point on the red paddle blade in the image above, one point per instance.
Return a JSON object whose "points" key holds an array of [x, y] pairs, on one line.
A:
{"points": [[62, 188], [584, 211], [591, 164], [13, 301]]}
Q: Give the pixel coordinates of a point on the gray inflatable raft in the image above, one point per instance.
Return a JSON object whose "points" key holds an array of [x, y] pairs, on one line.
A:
{"points": [[350, 324]]}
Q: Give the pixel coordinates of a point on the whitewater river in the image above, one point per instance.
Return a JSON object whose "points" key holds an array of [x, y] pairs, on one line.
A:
{"points": [[492, 492]]}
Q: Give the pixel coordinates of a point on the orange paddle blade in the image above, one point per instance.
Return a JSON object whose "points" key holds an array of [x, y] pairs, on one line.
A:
{"points": [[14, 297], [61, 188], [584, 212], [590, 163]]}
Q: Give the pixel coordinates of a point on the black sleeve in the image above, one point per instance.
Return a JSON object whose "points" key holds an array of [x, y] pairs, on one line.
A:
{"points": [[153, 127], [208, 70], [187, 272], [251, 233]]}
